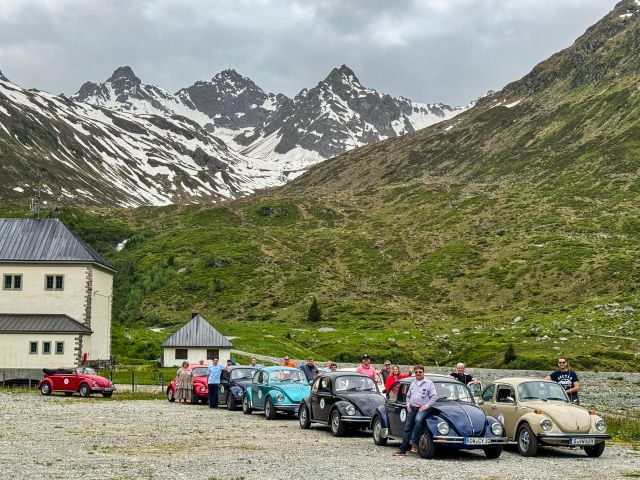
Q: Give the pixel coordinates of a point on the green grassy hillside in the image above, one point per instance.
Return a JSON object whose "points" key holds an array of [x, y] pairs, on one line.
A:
{"points": [[515, 223]]}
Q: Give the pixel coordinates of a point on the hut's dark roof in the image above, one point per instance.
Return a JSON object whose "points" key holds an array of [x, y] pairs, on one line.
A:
{"points": [[197, 333], [40, 323], [44, 241]]}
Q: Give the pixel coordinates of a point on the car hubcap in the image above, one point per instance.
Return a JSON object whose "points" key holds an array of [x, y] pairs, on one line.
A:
{"points": [[268, 409], [335, 422], [524, 440], [303, 416], [376, 430]]}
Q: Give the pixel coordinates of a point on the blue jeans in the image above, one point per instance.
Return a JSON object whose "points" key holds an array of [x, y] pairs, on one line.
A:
{"points": [[413, 427], [213, 395]]}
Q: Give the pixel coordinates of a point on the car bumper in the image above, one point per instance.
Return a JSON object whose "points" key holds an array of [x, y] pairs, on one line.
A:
{"points": [[565, 439], [356, 419], [103, 389], [287, 407], [460, 441]]}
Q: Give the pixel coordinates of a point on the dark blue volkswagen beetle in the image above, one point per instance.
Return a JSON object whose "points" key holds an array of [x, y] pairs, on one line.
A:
{"points": [[454, 422]]}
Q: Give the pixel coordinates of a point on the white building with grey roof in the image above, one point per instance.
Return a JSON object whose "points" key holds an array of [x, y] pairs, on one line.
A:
{"points": [[196, 340], [55, 297]]}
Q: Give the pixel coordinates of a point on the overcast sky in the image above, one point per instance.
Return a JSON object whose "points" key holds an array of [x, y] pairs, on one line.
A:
{"points": [[447, 51]]}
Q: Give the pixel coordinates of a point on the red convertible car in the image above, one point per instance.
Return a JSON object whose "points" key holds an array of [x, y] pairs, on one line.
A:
{"points": [[200, 386], [83, 380]]}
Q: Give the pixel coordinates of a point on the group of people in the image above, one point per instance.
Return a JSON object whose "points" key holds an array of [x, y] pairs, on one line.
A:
{"points": [[420, 397]]}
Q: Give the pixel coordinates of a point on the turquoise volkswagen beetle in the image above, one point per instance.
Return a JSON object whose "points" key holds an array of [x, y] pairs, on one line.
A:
{"points": [[275, 389]]}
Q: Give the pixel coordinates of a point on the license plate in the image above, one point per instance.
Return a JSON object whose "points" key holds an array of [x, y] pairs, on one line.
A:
{"points": [[582, 441], [476, 441]]}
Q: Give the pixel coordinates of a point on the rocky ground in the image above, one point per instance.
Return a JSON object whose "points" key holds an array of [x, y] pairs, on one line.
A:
{"points": [[58, 437]]}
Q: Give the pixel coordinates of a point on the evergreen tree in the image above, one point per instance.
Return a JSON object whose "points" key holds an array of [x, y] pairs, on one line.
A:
{"points": [[509, 355], [314, 314]]}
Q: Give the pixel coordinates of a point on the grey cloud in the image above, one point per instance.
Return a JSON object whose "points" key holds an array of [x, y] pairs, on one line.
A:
{"points": [[427, 50]]}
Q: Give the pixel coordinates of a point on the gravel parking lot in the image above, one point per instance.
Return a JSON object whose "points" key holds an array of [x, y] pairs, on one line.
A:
{"points": [[59, 437]]}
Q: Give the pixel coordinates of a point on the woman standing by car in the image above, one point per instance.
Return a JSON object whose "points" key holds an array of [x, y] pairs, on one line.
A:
{"points": [[184, 384], [394, 376]]}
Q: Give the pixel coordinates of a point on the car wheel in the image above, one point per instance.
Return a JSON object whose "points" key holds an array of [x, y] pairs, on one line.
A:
{"points": [[107, 394], [493, 452], [45, 389], [231, 402], [246, 409], [595, 450], [527, 441], [84, 390], [378, 439], [170, 396], [338, 428], [426, 448], [68, 394], [303, 417], [269, 409]]}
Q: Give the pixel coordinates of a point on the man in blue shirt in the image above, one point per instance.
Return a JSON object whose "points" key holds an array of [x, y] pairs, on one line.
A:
{"points": [[420, 397], [215, 372], [567, 378]]}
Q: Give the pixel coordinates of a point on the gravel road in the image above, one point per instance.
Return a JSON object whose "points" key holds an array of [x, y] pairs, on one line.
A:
{"points": [[58, 437]]}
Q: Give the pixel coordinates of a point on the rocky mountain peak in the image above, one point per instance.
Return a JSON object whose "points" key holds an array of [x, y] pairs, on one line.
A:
{"points": [[3, 78], [124, 73], [342, 75]]}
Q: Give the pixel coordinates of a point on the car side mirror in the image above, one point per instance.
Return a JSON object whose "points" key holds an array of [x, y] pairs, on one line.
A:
{"points": [[481, 402], [510, 400]]}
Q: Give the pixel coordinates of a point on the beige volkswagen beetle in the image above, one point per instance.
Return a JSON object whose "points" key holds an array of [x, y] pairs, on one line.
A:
{"points": [[537, 412]]}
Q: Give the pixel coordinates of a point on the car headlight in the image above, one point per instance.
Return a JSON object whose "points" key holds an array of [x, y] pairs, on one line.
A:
{"points": [[351, 410], [280, 398], [496, 429], [443, 428], [545, 424], [601, 426]]}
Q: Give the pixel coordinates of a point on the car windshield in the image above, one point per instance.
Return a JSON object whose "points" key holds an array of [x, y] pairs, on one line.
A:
{"points": [[535, 391], [453, 391], [288, 375], [355, 383], [240, 373], [199, 372], [87, 370]]}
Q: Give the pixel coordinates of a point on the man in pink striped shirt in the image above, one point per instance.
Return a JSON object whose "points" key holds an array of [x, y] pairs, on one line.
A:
{"points": [[365, 368], [420, 397]]}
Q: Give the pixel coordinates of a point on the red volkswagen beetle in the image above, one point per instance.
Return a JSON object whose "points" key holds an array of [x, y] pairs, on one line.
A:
{"points": [[200, 386], [83, 380]]}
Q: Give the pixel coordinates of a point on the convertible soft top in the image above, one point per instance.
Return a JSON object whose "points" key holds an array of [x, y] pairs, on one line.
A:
{"points": [[59, 371]]}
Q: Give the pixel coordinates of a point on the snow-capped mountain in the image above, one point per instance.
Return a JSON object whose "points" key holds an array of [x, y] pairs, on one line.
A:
{"points": [[90, 154], [3, 78], [338, 114]]}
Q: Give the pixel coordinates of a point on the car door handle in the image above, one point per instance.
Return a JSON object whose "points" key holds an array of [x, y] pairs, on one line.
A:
{"points": [[494, 407]]}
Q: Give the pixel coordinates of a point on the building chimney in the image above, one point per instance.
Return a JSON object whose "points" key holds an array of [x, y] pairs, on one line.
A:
{"points": [[194, 313]]}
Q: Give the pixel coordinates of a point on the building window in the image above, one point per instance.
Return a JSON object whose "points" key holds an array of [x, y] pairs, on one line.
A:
{"points": [[12, 282], [212, 353], [46, 348], [33, 347], [181, 353], [54, 282], [59, 348]]}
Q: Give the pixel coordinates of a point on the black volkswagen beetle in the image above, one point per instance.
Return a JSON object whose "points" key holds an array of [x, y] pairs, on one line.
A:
{"points": [[340, 400], [454, 421], [233, 385]]}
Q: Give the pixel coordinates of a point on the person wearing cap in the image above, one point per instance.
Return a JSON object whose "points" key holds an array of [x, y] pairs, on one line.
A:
{"points": [[309, 369], [365, 368], [461, 376], [287, 362]]}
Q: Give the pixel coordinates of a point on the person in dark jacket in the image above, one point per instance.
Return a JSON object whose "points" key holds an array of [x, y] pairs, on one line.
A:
{"points": [[309, 369]]}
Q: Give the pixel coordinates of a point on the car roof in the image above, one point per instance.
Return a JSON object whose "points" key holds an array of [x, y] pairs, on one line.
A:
{"points": [[234, 367], [515, 381], [342, 373]]}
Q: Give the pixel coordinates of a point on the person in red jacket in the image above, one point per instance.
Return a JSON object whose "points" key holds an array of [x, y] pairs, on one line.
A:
{"points": [[395, 375]]}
